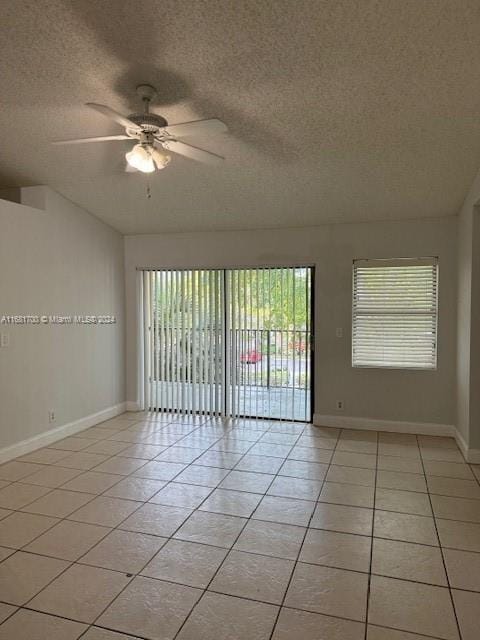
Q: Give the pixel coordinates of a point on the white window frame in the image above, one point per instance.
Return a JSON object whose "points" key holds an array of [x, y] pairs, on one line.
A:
{"points": [[395, 262]]}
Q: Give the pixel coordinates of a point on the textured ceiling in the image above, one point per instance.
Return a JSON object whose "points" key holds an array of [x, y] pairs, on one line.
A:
{"points": [[339, 110]]}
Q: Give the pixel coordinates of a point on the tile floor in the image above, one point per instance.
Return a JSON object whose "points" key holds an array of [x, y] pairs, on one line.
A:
{"points": [[160, 527]]}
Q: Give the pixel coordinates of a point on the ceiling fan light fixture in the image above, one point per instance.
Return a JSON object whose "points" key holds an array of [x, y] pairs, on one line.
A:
{"points": [[160, 158], [140, 158]]}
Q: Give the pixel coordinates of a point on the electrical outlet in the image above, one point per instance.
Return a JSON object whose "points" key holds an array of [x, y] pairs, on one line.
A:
{"points": [[339, 405], [4, 340], [339, 332], [51, 416]]}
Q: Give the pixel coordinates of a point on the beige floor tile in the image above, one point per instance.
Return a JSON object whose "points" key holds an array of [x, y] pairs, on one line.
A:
{"points": [[22, 575], [453, 487], [399, 450], [458, 535], [347, 494], [467, 606], [6, 611], [81, 593], [403, 465], [448, 469], [51, 476], [316, 443], [314, 626], [231, 503], [71, 444], [158, 520], [344, 519], [356, 446], [295, 488], [189, 496], [108, 512], [31, 625], [463, 568], [247, 481], [15, 470], [302, 469], [411, 606], [231, 444], [107, 447], [329, 591], [44, 456], [284, 510], [310, 454], [271, 539], [203, 476], [382, 633], [248, 575], [125, 551], [211, 528], [279, 438], [139, 489], [95, 633], [220, 459], [58, 503], [226, 617], [92, 482], [362, 435], [350, 459], [404, 527], [4, 553], [68, 540], [269, 449], [456, 508], [259, 464], [160, 470], [81, 460], [120, 466], [340, 550], [408, 561], [442, 454], [397, 438], [151, 609], [403, 501], [437, 441], [350, 475], [403, 481], [180, 454], [18, 529], [187, 563], [17, 495], [142, 451]]}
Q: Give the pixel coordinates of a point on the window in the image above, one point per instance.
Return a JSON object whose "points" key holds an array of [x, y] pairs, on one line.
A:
{"points": [[395, 313]]}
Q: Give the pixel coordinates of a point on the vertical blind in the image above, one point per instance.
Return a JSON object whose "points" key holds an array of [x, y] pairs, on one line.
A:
{"points": [[395, 313], [230, 342]]}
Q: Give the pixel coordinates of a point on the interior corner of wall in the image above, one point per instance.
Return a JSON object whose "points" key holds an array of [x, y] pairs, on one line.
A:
{"points": [[35, 197]]}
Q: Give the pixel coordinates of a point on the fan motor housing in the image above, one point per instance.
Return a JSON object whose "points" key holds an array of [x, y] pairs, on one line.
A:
{"points": [[149, 122]]}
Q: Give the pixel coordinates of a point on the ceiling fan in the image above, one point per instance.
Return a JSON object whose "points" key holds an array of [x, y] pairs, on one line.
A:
{"points": [[154, 136]]}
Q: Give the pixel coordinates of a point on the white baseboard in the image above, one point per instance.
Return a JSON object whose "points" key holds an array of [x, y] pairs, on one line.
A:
{"points": [[374, 424], [132, 406], [421, 428], [471, 455], [69, 429]]}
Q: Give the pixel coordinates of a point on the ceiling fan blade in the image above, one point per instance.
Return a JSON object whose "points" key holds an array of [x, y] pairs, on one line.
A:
{"points": [[113, 115], [97, 139], [194, 153], [197, 128]]}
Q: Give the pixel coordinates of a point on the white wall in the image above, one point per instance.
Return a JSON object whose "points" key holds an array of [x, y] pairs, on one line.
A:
{"points": [[58, 259], [468, 325], [407, 396]]}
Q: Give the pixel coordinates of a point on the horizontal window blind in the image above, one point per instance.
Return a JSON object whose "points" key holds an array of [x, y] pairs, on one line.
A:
{"points": [[395, 313]]}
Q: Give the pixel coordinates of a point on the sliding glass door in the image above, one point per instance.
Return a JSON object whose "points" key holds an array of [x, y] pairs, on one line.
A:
{"points": [[233, 342]]}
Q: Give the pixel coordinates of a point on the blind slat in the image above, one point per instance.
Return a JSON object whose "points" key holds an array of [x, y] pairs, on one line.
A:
{"points": [[395, 313]]}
